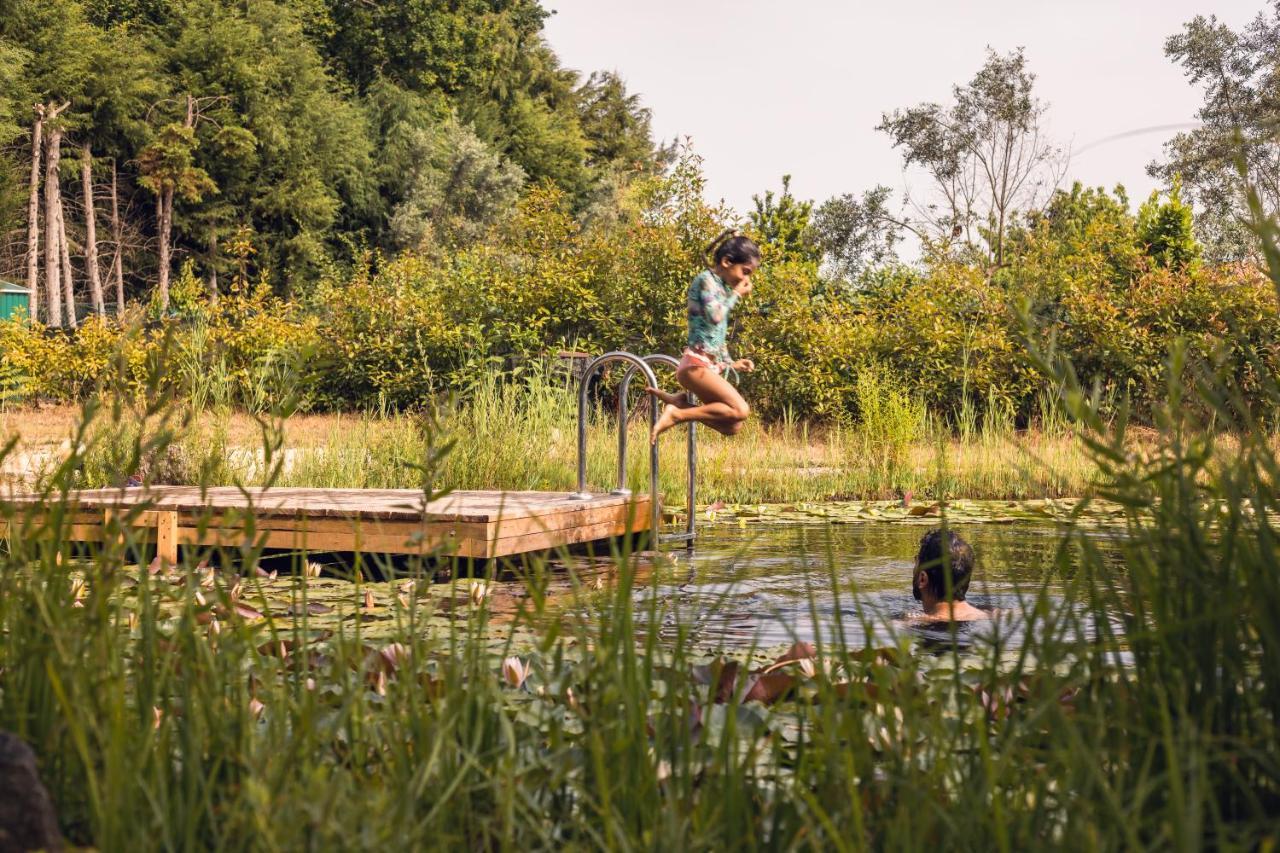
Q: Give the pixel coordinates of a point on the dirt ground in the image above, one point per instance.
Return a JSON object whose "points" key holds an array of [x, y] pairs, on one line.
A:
{"points": [[50, 427]]}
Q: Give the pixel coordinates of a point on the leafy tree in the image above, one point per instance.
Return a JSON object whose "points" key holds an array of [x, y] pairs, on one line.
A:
{"points": [[318, 124], [783, 225], [530, 115], [855, 234], [1081, 222], [984, 153], [458, 187], [1081, 245], [1166, 230], [108, 13], [169, 170], [448, 46], [13, 118], [487, 58], [1239, 127], [286, 149], [58, 43]]}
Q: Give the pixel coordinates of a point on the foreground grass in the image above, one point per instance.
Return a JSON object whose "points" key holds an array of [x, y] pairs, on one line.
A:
{"points": [[189, 710]]}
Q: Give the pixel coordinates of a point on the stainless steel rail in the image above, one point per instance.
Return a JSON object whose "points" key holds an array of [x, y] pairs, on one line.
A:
{"points": [[655, 504], [691, 449], [643, 365]]}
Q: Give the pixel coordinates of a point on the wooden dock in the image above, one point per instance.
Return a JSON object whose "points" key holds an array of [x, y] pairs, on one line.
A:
{"points": [[478, 524]]}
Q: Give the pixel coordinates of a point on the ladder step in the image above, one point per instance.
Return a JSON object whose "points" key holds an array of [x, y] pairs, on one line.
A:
{"points": [[676, 537]]}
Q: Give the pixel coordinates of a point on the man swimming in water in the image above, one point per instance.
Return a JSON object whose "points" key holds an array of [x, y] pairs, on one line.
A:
{"points": [[942, 597]]}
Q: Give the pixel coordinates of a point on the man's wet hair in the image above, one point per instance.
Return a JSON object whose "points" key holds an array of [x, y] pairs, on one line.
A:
{"points": [[959, 558]]}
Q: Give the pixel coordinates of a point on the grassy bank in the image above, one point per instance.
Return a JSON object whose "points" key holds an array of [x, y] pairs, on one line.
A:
{"points": [[523, 436]]}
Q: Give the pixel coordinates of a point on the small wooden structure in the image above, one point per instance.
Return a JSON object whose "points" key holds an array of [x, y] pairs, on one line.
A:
{"points": [[481, 524], [14, 300]]}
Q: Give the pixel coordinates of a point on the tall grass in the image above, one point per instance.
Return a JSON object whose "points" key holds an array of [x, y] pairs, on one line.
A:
{"points": [[521, 433], [1139, 712]]}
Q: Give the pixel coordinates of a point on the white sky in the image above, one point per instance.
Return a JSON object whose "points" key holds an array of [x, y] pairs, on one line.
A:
{"points": [[768, 88]]}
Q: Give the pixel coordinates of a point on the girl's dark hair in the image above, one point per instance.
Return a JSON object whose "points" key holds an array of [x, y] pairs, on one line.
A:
{"points": [[733, 246]]}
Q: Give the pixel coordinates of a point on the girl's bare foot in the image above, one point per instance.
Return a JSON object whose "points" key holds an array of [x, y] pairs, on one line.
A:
{"points": [[665, 422], [678, 400]]}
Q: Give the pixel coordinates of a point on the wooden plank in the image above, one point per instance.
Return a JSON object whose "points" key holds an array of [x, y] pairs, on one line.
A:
{"points": [[576, 515], [555, 539], [167, 537], [391, 504], [366, 526], [292, 540], [583, 517]]}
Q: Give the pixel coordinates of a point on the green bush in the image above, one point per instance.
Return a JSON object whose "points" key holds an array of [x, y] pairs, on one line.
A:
{"points": [[395, 333]]}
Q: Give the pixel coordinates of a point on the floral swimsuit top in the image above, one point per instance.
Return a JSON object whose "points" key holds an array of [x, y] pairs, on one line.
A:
{"points": [[710, 302]]}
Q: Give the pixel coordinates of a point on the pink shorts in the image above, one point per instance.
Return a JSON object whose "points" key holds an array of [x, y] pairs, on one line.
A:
{"points": [[697, 359]]}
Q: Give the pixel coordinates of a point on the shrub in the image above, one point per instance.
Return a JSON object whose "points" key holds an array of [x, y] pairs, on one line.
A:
{"points": [[388, 338]]}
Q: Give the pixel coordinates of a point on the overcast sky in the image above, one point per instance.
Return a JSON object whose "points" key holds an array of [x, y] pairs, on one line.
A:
{"points": [[767, 87]]}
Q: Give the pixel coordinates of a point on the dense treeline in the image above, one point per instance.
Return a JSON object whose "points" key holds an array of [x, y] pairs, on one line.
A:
{"points": [[299, 131]]}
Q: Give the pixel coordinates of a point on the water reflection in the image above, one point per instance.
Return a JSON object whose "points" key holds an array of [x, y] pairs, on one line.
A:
{"points": [[773, 586]]}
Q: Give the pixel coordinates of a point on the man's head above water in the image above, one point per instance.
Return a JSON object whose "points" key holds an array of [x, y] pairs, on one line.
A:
{"points": [[942, 554], [941, 576]]}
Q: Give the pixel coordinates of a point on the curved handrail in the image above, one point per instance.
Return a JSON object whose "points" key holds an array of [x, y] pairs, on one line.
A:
{"points": [[655, 509], [692, 446]]}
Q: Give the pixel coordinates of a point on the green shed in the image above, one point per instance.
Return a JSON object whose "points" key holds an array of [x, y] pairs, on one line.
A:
{"points": [[13, 300]]}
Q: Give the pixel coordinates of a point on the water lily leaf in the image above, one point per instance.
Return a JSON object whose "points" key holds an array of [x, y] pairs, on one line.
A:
{"points": [[313, 608], [246, 612]]}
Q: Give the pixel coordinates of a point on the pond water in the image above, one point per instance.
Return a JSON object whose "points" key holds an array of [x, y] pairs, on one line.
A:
{"points": [[755, 585], [771, 585]]}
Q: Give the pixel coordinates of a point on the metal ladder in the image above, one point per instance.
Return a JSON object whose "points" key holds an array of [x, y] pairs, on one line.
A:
{"points": [[644, 365]]}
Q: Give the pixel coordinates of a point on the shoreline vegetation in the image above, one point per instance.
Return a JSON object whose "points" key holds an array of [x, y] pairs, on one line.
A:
{"points": [[503, 445]]}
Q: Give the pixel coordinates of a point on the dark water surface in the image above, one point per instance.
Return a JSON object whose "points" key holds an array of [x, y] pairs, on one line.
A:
{"points": [[771, 585]]}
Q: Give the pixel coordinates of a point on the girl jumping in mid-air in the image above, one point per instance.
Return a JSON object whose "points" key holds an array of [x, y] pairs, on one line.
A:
{"points": [[712, 295]]}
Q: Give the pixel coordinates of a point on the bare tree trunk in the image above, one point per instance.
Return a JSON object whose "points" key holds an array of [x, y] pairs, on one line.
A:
{"points": [[117, 235], [91, 232], [33, 219], [64, 253], [213, 267], [52, 262], [164, 222]]}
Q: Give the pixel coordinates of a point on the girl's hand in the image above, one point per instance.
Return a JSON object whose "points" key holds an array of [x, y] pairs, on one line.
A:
{"points": [[744, 365], [743, 287]]}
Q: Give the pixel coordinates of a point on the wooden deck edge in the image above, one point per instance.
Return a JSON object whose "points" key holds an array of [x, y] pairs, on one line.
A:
{"points": [[167, 531]]}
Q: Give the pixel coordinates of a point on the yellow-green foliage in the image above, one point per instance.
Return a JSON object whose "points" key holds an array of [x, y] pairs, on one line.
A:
{"points": [[397, 332], [387, 338], [64, 366], [946, 334], [237, 336]]}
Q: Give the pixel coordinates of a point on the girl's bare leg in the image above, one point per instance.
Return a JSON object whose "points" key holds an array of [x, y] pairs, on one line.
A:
{"points": [[728, 427], [680, 400], [722, 405]]}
